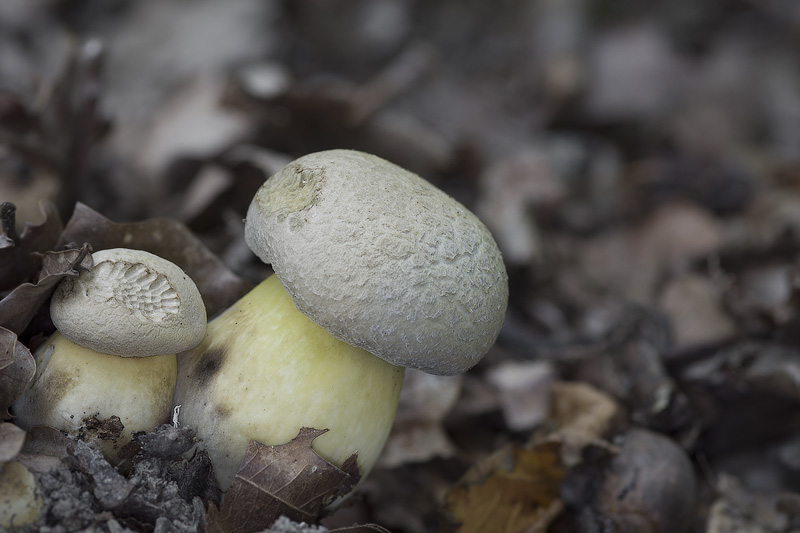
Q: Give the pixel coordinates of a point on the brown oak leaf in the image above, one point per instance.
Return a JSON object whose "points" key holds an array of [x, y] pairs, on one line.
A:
{"points": [[18, 261], [17, 368], [514, 489], [20, 305], [289, 479]]}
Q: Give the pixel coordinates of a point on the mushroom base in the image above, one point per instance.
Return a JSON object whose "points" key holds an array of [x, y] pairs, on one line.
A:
{"points": [[74, 384], [20, 497], [264, 370]]}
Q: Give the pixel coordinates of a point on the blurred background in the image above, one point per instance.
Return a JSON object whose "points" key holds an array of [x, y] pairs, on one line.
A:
{"points": [[638, 164]]}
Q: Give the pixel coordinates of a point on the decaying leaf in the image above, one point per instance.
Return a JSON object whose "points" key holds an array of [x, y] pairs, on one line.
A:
{"points": [[518, 488], [12, 438], [582, 415], [20, 305], [694, 306], [17, 261], [524, 389], [514, 489], [631, 261], [17, 368], [738, 508], [290, 479], [418, 434], [191, 121], [510, 188], [416, 442], [45, 448], [167, 238]]}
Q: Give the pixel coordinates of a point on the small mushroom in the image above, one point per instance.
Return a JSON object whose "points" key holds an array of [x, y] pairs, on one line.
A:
{"points": [[119, 327], [132, 303], [20, 496], [376, 270]]}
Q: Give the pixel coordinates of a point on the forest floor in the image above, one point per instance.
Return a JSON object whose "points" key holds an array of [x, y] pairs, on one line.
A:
{"points": [[638, 167]]}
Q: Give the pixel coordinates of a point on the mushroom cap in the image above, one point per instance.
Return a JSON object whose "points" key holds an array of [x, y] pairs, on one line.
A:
{"points": [[382, 259], [132, 303]]}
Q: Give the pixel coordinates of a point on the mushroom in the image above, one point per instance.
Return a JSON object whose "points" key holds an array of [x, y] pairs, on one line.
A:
{"points": [[20, 496], [375, 270], [119, 326]]}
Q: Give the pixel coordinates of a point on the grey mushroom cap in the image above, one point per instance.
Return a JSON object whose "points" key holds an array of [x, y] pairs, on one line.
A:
{"points": [[132, 303], [382, 259]]}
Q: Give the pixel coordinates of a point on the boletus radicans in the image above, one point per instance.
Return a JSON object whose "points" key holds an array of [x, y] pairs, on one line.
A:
{"points": [[119, 326], [375, 270]]}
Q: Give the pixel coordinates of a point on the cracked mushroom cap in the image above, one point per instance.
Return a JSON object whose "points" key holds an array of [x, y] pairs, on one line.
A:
{"points": [[382, 259], [132, 303]]}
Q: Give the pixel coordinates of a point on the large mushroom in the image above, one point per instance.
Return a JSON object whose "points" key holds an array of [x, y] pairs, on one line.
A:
{"points": [[119, 327], [375, 270]]}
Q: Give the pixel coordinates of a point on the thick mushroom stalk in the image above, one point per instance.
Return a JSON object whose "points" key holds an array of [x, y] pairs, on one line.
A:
{"points": [[265, 370], [119, 328], [364, 252], [75, 386]]}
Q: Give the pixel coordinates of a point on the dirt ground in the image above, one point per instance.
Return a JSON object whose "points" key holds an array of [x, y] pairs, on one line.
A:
{"points": [[639, 168]]}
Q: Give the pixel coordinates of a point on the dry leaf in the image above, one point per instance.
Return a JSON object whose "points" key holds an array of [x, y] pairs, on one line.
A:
{"points": [[514, 489], [20, 305], [583, 415], [736, 386], [524, 389], [510, 190], [631, 262], [12, 438], [191, 123], [695, 308], [634, 55], [763, 295], [289, 479], [17, 368], [417, 434], [518, 489], [17, 262], [739, 508], [417, 441], [44, 449], [167, 238]]}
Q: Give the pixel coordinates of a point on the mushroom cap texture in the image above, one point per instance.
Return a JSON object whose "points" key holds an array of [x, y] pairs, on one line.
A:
{"points": [[132, 303], [382, 259]]}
